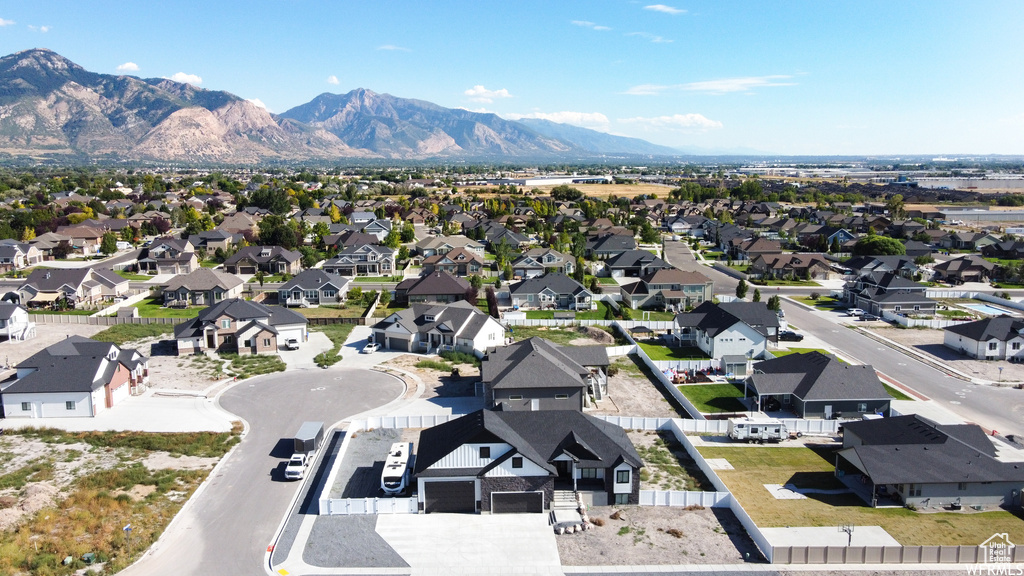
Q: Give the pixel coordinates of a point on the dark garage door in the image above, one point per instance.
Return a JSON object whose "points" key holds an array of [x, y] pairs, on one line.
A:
{"points": [[517, 502], [449, 497]]}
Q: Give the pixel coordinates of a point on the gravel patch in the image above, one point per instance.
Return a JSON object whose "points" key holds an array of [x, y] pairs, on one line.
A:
{"points": [[349, 541], [439, 384], [929, 343], [631, 393], [648, 535], [359, 473]]}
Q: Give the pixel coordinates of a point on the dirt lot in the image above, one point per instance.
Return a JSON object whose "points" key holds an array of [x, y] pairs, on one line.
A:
{"points": [[929, 342], [658, 535], [439, 384], [667, 465], [631, 393]]}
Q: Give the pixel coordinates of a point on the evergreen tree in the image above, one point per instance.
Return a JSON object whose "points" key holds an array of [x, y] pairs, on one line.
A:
{"points": [[741, 289]]}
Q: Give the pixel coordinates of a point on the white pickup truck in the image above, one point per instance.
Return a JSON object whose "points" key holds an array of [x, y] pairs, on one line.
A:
{"points": [[296, 468]]}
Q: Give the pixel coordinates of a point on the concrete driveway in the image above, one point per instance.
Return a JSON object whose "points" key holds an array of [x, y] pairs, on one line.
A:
{"points": [[304, 357], [352, 354]]}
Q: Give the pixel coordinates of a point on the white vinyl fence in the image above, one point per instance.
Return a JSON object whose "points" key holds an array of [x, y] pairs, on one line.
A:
{"points": [[355, 506], [682, 499]]}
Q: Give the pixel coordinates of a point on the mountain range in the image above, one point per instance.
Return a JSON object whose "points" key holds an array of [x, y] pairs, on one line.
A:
{"points": [[51, 107]]}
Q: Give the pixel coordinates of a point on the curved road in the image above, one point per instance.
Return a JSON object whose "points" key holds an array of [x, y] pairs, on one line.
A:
{"points": [[226, 529]]}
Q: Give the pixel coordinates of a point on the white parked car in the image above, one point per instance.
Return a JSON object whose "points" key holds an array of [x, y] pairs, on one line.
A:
{"points": [[370, 348], [291, 344], [854, 312]]}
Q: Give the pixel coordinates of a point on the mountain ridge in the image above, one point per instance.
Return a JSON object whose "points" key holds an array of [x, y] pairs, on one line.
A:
{"points": [[52, 107]]}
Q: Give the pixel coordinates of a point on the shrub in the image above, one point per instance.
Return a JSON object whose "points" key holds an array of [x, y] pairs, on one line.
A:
{"points": [[814, 296], [434, 365], [456, 357], [674, 532], [597, 521]]}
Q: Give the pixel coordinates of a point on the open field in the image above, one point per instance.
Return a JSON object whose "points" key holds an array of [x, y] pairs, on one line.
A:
{"points": [[813, 467]]}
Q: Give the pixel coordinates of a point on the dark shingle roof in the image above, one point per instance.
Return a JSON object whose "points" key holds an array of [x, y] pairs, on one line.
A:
{"points": [[241, 311], [538, 363], [714, 318], [1001, 328], [314, 279], [558, 283], [438, 283], [203, 279], [817, 376], [75, 364]]}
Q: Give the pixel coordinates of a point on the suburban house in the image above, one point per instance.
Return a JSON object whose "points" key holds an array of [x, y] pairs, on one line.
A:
{"points": [[551, 291], [668, 288], [816, 385], [78, 286], [995, 338], [457, 262], [76, 377], [804, 265], [915, 461], [538, 261], [444, 244], [16, 255], [14, 322], [362, 260], [968, 268], [267, 259], [202, 287], [900, 265], [311, 288], [536, 374], [734, 331], [751, 248], [212, 240], [458, 326], [45, 243], [634, 263], [879, 292], [439, 287], [501, 462], [605, 245], [378, 228], [1008, 250], [240, 326], [169, 256], [85, 239], [968, 240]]}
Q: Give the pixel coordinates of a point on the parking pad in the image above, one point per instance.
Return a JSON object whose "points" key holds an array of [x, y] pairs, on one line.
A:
{"points": [[472, 543], [829, 536]]}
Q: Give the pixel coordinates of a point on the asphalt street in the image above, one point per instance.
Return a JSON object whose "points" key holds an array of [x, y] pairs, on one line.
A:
{"points": [[226, 529], [995, 408]]}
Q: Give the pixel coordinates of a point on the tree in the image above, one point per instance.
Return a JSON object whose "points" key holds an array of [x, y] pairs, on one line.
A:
{"points": [[774, 303], [260, 276], [895, 207], [566, 193], [385, 298], [403, 253], [62, 250], [28, 234], [741, 289], [834, 248], [393, 239], [757, 295], [492, 302], [108, 243], [476, 281], [408, 232], [875, 245]]}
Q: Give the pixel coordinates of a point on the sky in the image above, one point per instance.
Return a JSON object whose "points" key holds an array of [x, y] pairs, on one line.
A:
{"points": [[790, 77]]}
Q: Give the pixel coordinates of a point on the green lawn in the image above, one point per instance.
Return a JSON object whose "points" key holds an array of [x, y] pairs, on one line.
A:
{"points": [[814, 468], [349, 311], [709, 398], [379, 279], [130, 276], [598, 314], [338, 333], [540, 314], [771, 282], [605, 280], [653, 315], [153, 308], [823, 303], [121, 333], [740, 267], [64, 312], [209, 263], [253, 364], [659, 352], [896, 393], [779, 353], [954, 313]]}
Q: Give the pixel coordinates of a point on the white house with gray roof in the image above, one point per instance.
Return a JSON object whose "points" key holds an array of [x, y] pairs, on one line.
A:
{"points": [[431, 328], [77, 286], [14, 322], [998, 338], [76, 377]]}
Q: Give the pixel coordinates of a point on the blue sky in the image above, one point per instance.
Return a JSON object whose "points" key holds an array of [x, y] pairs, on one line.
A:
{"points": [[790, 77]]}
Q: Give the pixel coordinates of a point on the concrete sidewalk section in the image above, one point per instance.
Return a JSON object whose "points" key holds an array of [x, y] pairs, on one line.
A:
{"points": [[829, 536]]}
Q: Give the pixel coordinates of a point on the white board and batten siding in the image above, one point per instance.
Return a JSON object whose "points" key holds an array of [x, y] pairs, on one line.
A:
{"points": [[53, 405], [622, 487], [506, 470], [468, 456]]}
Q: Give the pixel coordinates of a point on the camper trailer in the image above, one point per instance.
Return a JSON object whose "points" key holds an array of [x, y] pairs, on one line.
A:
{"points": [[753, 429], [395, 476]]}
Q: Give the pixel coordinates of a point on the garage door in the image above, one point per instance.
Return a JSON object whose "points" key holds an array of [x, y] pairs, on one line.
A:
{"points": [[246, 269], [399, 344], [517, 502], [449, 497]]}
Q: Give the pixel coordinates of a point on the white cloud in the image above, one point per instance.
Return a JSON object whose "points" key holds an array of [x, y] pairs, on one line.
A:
{"points": [[589, 24], [186, 78], [42, 29], [259, 103], [723, 86], [6, 22], [393, 48], [332, 79], [128, 67], [480, 94], [675, 122], [653, 38], [592, 120], [664, 9], [745, 84]]}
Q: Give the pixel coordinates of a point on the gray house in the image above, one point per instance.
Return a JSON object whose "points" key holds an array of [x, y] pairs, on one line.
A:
{"points": [[201, 287], [514, 462], [535, 374], [551, 291], [816, 385], [311, 288], [914, 461]]}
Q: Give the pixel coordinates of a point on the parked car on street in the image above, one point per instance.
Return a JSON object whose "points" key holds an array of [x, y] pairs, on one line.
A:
{"points": [[855, 312], [868, 317], [370, 348], [790, 336]]}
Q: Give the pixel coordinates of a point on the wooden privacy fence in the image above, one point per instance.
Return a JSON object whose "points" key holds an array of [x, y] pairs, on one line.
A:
{"points": [[98, 320]]}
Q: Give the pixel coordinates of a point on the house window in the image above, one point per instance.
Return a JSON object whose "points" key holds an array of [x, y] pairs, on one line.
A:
{"points": [[485, 451], [1015, 346], [913, 489], [862, 407], [622, 477], [229, 339], [69, 405], [247, 343], [896, 308], [515, 397], [588, 472], [561, 396], [329, 293], [26, 406], [225, 323], [266, 342], [961, 486], [917, 307], [993, 345], [517, 461], [622, 498]]}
